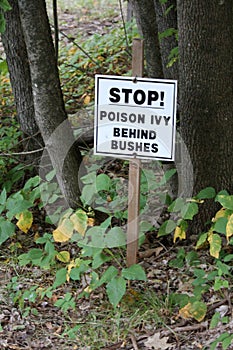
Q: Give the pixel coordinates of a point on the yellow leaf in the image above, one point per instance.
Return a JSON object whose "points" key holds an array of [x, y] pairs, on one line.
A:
{"points": [[25, 221], [64, 231], [79, 220], [229, 228], [69, 268], [196, 310], [220, 214], [87, 99], [185, 311], [91, 222], [179, 233], [215, 244], [63, 256]]}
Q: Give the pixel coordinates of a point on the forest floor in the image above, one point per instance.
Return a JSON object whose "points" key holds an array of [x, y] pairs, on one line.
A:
{"points": [[145, 318]]}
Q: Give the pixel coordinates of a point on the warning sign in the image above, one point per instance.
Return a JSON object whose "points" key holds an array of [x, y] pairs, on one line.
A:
{"points": [[135, 117]]}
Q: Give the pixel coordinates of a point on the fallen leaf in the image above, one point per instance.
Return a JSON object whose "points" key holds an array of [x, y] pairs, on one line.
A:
{"points": [[154, 342]]}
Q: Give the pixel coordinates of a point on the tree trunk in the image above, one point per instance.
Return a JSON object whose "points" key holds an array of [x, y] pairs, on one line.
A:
{"points": [[18, 65], [167, 19], [48, 100], [206, 95], [146, 20]]}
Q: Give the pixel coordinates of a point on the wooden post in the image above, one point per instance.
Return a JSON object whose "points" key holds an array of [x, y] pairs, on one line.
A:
{"points": [[134, 171]]}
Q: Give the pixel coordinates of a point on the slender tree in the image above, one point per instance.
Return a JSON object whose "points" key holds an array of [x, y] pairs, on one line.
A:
{"points": [[18, 65], [146, 20], [48, 101]]}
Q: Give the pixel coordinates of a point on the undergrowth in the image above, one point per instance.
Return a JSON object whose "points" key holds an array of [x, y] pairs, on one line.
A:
{"points": [[86, 258]]}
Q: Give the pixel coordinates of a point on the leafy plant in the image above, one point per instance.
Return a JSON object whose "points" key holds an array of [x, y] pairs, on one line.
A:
{"points": [[4, 6]]}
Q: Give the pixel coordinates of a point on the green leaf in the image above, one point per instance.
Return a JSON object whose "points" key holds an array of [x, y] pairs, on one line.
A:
{"points": [[4, 4], [7, 229], [220, 225], [116, 289], [206, 193], [227, 341], [88, 193], [225, 201], [167, 175], [108, 275], [2, 23], [202, 240], [60, 277], [3, 197], [16, 205], [134, 272], [103, 182], [166, 228], [116, 237], [189, 210], [176, 205], [215, 320]]}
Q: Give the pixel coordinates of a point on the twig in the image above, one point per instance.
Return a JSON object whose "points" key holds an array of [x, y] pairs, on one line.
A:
{"points": [[55, 20], [134, 342], [21, 153], [193, 327], [123, 21], [80, 48]]}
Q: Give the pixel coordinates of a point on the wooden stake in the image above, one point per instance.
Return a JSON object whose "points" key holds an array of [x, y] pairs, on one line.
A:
{"points": [[134, 170]]}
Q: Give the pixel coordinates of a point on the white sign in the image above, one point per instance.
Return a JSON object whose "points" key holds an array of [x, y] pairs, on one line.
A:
{"points": [[135, 117]]}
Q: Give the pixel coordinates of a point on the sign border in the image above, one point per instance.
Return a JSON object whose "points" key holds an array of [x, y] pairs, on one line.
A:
{"points": [[120, 155]]}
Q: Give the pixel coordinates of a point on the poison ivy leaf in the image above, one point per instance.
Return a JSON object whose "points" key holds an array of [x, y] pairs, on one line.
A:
{"points": [[115, 238], [220, 225], [108, 275], [16, 204], [229, 228], [3, 197], [134, 272], [225, 201], [202, 240], [60, 277], [7, 229], [167, 175], [220, 214], [25, 220], [63, 256], [116, 289], [179, 233], [176, 205], [103, 182], [196, 310], [206, 193], [88, 193], [215, 244], [79, 220], [189, 210], [166, 228], [64, 231]]}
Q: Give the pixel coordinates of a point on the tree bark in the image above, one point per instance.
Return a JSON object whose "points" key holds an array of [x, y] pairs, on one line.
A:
{"points": [[146, 20], [206, 95], [48, 100], [18, 65], [166, 16]]}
